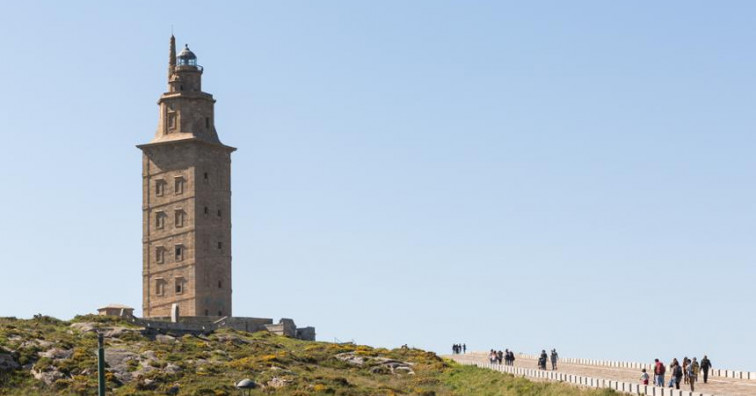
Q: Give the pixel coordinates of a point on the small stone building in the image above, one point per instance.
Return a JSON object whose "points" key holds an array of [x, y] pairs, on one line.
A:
{"points": [[116, 310]]}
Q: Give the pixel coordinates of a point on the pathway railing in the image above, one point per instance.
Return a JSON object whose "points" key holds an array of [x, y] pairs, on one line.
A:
{"points": [[746, 375], [588, 382]]}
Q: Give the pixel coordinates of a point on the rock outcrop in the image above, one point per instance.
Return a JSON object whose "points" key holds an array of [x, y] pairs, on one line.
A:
{"points": [[378, 365]]}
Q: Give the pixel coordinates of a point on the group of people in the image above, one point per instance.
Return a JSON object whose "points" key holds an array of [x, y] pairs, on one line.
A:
{"points": [[498, 357], [459, 348], [686, 373], [544, 358]]}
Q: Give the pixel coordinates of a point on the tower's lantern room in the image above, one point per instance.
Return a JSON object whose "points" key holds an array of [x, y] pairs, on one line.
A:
{"points": [[186, 57], [184, 74]]}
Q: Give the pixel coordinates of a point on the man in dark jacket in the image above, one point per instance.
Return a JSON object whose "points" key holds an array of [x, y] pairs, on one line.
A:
{"points": [[542, 360], [705, 366], [554, 358]]}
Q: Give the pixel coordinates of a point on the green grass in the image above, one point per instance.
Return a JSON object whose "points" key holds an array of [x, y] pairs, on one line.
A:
{"points": [[211, 365], [485, 382]]}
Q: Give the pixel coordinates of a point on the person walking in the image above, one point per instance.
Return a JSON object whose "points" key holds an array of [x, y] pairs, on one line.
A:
{"points": [[554, 357], [693, 374], [542, 360], [464, 348], [686, 363], [677, 373], [705, 366], [644, 377], [659, 370]]}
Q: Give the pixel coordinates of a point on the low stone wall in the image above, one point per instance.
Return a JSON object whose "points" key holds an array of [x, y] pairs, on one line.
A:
{"points": [[746, 375], [181, 327], [187, 324], [588, 382], [244, 324]]}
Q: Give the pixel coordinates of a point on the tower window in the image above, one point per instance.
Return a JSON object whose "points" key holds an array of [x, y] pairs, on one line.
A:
{"points": [[181, 87], [220, 284], [220, 245], [160, 255], [179, 185], [207, 210], [171, 122], [159, 287], [159, 187], [179, 252], [207, 122], [180, 216], [220, 313], [205, 175], [219, 213], [207, 313], [160, 220], [179, 285]]}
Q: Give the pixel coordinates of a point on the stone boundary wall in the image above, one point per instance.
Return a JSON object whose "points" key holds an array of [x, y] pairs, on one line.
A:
{"points": [[285, 327], [588, 382], [171, 326], [746, 375]]}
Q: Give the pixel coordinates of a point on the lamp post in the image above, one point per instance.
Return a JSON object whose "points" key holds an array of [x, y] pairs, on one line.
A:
{"points": [[100, 366]]}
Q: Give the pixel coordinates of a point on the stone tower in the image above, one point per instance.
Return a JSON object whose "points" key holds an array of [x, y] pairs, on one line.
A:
{"points": [[186, 195]]}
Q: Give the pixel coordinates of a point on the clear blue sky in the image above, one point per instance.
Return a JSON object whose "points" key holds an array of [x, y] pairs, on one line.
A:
{"points": [[547, 174]]}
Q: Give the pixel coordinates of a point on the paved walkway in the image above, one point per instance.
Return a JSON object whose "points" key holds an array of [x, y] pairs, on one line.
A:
{"points": [[716, 386]]}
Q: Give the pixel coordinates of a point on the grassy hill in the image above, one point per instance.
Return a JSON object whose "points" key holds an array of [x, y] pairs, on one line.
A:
{"points": [[44, 356]]}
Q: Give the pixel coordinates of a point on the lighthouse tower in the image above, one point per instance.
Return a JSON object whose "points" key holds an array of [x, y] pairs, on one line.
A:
{"points": [[186, 201]]}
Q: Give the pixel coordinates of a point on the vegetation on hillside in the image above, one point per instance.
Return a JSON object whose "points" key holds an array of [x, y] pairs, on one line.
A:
{"points": [[44, 356]]}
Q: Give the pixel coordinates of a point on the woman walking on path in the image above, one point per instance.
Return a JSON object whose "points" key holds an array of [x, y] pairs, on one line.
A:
{"points": [[677, 373], [692, 374]]}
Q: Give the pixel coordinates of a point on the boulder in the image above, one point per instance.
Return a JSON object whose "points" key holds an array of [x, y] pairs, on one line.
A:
{"points": [[351, 358], [117, 360], [57, 353], [232, 338], [165, 339], [48, 375], [42, 344], [404, 370], [171, 368], [84, 327], [378, 365], [116, 332], [277, 382], [118, 357], [7, 362]]}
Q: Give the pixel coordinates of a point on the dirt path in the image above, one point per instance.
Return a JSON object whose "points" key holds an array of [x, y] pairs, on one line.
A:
{"points": [[717, 386]]}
